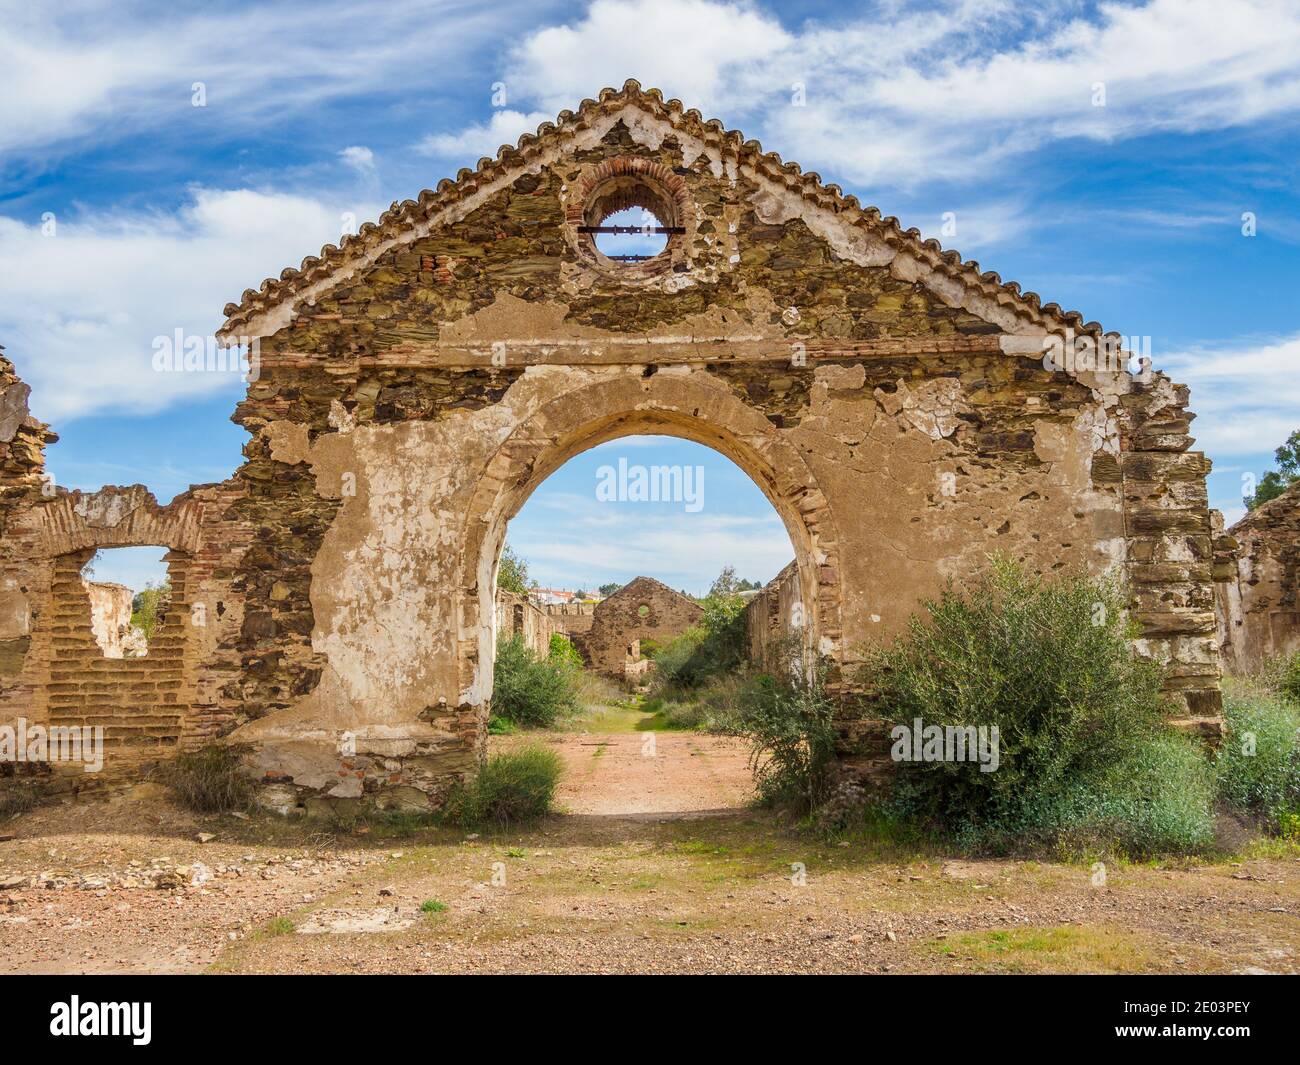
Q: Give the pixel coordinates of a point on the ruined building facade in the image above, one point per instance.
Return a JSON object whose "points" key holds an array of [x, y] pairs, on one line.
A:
{"points": [[902, 410], [643, 609]]}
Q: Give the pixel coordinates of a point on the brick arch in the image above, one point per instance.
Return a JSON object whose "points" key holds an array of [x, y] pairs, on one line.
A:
{"points": [[116, 517], [691, 405]]}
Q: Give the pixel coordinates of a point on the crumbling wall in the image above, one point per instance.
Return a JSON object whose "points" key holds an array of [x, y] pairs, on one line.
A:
{"points": [[570, 618], [643, 609], [516, 616], [1258, 606], [775, 625], [110, 617]]}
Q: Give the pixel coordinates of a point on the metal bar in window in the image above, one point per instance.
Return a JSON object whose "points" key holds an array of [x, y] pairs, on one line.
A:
{"points": [[629, 230]]}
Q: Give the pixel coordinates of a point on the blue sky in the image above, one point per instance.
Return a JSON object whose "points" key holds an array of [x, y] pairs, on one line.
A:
{"points": [[1102, 155]]}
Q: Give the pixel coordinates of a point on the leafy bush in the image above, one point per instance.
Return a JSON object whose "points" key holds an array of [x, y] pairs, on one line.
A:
{"points": [[1258, 764], [561, 652], [793, 742], [713, 648], [1156, 798], [211, 779], [512, 572], [1048, 662], [150, 605], [510, 788], [529, 690]]}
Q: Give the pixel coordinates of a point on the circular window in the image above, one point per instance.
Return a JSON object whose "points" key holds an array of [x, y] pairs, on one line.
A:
{"points": [[631, 236], [629, 219], [629, 216], [643, 610]]}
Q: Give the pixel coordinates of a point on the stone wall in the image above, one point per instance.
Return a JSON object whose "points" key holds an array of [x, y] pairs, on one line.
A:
{"points": [[774, 623], [517, 616], [906, 413], [110, 617], [1258, 606], [642, 609]]}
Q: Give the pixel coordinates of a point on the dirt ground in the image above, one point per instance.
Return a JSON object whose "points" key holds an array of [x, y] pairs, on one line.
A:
{"points": [[656, 867]]}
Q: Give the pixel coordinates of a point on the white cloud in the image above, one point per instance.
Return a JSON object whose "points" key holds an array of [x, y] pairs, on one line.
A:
{"points": [[86, 69], [692, 49], [1247, 400], [909, 94], [472, 143], [79, 309], [595, 543], [359, 158]]}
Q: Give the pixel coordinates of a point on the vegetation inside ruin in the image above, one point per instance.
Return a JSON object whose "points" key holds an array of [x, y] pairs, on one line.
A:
{"points": [[535, 690], [149, 605], [210, 779], [510, 788]]}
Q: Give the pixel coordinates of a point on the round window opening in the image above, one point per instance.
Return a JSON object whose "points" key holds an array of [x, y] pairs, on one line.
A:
{"points": [[643, 610], [630, 220]]}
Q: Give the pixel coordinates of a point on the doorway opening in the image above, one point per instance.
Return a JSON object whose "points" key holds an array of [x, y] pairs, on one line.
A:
{"points": [[634, 587]]}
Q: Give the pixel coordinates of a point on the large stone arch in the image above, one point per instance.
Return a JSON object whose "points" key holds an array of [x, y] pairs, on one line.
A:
{"points": [[685, 402]]}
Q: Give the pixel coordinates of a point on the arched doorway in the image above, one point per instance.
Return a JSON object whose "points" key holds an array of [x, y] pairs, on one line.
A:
{"points": [[687, 403]]}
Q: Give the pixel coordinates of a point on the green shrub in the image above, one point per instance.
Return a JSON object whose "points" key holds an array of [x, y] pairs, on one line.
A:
{"points": [[793, 742], [530, 690], [713, 648], [510, 788], [432, 906], [1257, 768], [1050, 663], [1157, 798], [561, 652], [211, 779]]}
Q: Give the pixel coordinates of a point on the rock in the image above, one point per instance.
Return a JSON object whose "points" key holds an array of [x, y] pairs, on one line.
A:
{"points": [[205, 837], [11, 883], [389, 891]]}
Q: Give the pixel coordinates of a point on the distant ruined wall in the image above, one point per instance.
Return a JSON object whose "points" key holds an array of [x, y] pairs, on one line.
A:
{"points": [[642, 609], [1258, 606], [774, 623], [570, 618], [516, 616], [110, 616]]}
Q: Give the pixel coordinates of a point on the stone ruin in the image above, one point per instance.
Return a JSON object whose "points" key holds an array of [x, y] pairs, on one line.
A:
{"points": [[1258, 601], [333, 602], [643, 609]]}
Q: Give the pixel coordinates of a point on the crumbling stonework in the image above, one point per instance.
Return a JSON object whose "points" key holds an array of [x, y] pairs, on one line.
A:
{"points": [[334, 601], [516, 616], [774, 624], [1259, 604], [643, 609], [110, 618]]}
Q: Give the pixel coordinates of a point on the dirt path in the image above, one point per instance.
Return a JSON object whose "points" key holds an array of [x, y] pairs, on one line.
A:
{"points": [[618, 770], [637, 877]]}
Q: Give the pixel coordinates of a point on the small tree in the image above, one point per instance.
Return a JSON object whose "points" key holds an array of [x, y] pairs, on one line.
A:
{"points": [[148, 606], [1275, 482], [609, 589], [725, 585], [512, 573]]}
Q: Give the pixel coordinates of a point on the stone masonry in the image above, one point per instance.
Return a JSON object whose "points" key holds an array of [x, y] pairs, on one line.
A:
{"points": [[905, 411], [643, 609], [1259, 604]]}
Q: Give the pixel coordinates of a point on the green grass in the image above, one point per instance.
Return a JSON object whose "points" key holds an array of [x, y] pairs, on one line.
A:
{"points": [[433, 906], [279, 926]]}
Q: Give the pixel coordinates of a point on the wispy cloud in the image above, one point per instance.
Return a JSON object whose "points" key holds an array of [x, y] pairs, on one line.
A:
{"points": [[1247, 398], [81, 300]]}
